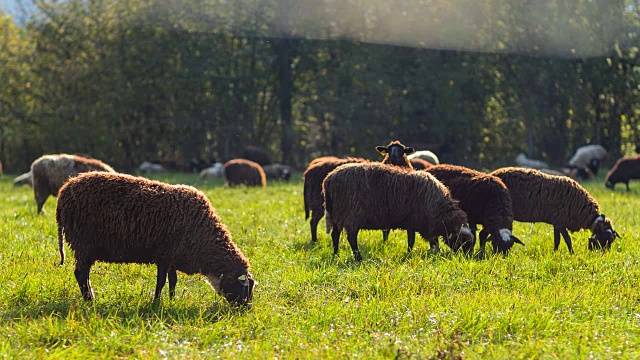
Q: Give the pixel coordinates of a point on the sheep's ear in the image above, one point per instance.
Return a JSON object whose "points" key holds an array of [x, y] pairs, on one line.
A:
{"points": [[382, 150], [617, 235], [602, 216], [516, 240], [409, 150]]}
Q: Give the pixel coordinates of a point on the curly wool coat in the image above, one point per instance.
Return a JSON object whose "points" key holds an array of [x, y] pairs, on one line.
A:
{"points": [[119, 218], [411, 200], [556, 200], [50, 172]]}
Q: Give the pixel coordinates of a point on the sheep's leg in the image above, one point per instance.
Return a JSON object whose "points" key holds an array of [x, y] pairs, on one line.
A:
{"points": [[335, 236], [385, 235], [556, 239], [352, 236], [434, 244], [484, 235], [41, 198], [411, 239], [173, 280], [82, 276], [567, 239], [314, 226], [160, 279], [627, 183]]}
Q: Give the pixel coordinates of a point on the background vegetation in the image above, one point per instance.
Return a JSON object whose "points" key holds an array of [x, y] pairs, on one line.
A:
{"points": [[127, 81], [536, 303]]}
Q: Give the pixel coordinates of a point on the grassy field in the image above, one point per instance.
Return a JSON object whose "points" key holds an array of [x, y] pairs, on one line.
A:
{"points": [[536, 303]]}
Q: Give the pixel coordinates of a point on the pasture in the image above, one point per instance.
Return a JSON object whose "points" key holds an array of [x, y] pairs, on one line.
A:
{"points": [[536, 303]]}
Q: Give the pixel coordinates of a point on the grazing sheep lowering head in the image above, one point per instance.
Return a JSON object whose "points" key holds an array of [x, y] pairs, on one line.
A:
{"points": [[396, 154], [603, 233]]}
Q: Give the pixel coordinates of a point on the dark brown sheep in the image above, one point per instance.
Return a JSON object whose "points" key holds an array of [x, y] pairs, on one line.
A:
{"points": [[625, 169], [420, 164], [396, 154], [50, 172], [244, 172], [313, 177], [256, 154], [486, 201], [559, 201], [378, 196], [120, 218]]}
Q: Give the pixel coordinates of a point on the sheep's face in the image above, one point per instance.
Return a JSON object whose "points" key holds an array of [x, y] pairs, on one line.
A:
{"points": [[503, 241], [462, 240], [609, 184], [238, 288], [396, 154], [603, 235]]}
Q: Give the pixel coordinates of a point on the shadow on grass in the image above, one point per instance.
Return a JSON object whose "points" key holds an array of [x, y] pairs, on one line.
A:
{"points": [[166, 310]]}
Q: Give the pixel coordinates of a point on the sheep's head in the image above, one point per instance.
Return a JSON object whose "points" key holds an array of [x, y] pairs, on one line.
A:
{"points": [[609, 184], [464, 239], [236, 288], [503, 241], [603, 233], [396, 154]]}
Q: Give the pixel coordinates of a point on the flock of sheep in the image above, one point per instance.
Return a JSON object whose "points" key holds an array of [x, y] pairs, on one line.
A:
{"points": [[119, 218]]}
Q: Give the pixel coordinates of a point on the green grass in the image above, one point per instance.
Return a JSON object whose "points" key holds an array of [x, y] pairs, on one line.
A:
{"points": [[536, 303]]}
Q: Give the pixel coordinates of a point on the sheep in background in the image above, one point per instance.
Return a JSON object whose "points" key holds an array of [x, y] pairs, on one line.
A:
{"points": [[50, 172], [151, 168], [395, 153], [313, 177], [244, 172], [377, 196], [486, 201], [277, 172], [120, 218], [625, 169], [588, 159], [216, 171], [523, 161], [24, 179], [419, 164], [425, 155], [559, 201], [256, 154]]}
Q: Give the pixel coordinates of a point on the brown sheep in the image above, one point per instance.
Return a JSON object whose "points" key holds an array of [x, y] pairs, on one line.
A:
{"points": [[256, 154], [559, 201], [486, 201], [50, 172], [420, 164], [120, 218], [313, 199], [377, 196], [244, 172], [625, 169], [396, 154]]}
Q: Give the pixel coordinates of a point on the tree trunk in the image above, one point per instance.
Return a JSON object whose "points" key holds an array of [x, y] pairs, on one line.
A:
{"points": [[285, 88]]}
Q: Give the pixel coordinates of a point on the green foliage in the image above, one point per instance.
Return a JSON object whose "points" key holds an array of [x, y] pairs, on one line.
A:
{"points": [[536, 303]]}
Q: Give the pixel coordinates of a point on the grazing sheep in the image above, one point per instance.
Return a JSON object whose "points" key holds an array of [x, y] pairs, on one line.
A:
{"points": [[151, 168], [486, 201], [256, 154], [377, 196], [523, 161], [217, 170], [589, 157], [120, 218], [24, 179], [277, 172], [625, 169], [559, 201], [313, 177], [419, 164], [425, 155], [396, 154], [50, 172], [244, 172]]}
